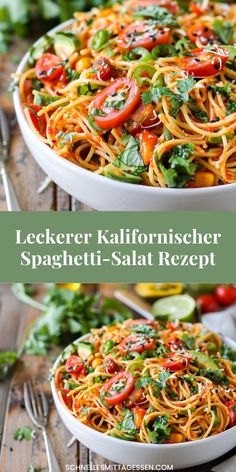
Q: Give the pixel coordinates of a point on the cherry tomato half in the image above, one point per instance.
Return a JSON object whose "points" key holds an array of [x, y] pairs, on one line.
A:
{"points": [[124, 380], [208, 303], [28, 91], [137, 343], [49, 68], [74, 365], [204, 63], [127, 90], [173, 343], [176, 362], [136, 398], [148, 142], [110, 365], [231, 405], [39, 122], [102, 68], [144, 117], [225, 295], [66, 400], [201, 33], [142, 34]]}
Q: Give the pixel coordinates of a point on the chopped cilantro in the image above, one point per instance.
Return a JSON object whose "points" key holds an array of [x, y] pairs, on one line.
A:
{"points": [[224, 30], [177, 168], [223, 90], [158, 430], [188, 340], [23, 433], [162, 16]]}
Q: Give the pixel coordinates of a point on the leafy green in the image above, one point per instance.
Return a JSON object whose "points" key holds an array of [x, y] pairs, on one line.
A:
{"points": [[228, 353], [177, 100], [177, 167], [68, 315], [128, 422], [224, 30], [157, 384], [66, 138], [198, 113], [224, 90], [130, 159], [23, 433], [158, 430], [231, 106], [215, 375], [189, 340], [162, 16], [7, 360], [144, 328], [184, 86]]}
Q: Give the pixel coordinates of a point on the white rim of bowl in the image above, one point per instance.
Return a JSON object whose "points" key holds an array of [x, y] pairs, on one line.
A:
{"points": [[88, 429], [86, 173]]}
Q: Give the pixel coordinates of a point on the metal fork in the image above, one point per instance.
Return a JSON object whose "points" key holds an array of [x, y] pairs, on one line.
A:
{"points": [[36, 405], [11, 199]]}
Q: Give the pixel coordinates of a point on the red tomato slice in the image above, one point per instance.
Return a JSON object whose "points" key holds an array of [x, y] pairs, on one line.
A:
{"points": [[231, 405], [39, 122], [142, 34], [123, 382], [49, 68], [173, 343], [225, 295], [137, 343], [110, 116], [208, 303], [138, 416], [144, 117], [170, 5], [28, 91], [173, 326], [136, 398], [197, 7], [111, 366], [204, 63], [67, 400], [74, 365], [176, 362], [103, 70], [202, 33], [148, 142]]}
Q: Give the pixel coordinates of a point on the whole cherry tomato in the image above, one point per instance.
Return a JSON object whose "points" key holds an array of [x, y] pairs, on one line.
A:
{"points": [[208, 303], [225, 295]]}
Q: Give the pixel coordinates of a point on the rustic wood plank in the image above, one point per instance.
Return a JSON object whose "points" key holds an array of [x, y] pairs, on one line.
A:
{"points": [[19, 455], [10, 314]]}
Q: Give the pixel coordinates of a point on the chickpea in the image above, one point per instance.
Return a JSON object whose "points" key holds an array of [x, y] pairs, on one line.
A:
{"points": [[82, 64]]}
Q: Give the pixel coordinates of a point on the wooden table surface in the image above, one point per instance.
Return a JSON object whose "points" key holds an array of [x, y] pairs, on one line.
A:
{"points": [[18, 455], [26, 175]]}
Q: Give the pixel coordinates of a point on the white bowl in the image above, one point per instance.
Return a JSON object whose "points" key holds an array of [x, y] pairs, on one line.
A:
{"points": [[128, 452], [102, 193]]}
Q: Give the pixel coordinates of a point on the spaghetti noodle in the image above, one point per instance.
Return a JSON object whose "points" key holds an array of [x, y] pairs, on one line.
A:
{"points": [[142, 382], [140, 92]]}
